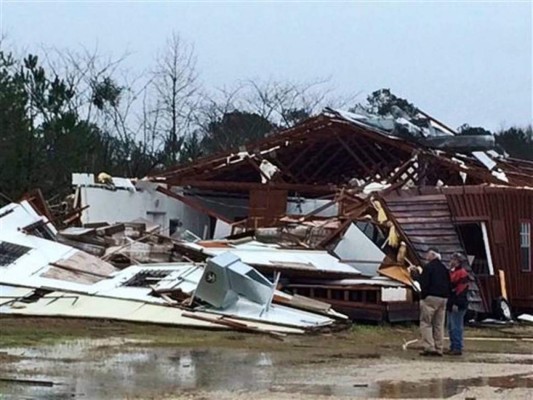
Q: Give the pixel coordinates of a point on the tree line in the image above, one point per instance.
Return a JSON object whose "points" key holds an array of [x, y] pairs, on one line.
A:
{"points": [[65, 111]]}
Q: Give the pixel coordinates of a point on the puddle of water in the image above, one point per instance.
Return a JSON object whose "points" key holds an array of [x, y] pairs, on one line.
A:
{"points": [[434, 388], [443, 388], [109, 369], [80, 370]]}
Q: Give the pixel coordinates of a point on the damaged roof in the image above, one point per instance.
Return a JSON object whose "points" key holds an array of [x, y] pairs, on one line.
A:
{"points": [[338, 148]]}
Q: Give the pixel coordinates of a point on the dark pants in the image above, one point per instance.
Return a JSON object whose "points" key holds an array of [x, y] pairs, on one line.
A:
{"points": [[456, 328]]}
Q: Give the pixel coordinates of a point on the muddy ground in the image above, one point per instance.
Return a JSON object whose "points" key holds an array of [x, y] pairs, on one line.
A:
{"points": [[80, 359]]}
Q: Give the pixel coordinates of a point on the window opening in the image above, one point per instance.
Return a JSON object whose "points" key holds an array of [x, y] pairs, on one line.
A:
{"points": [[10, 252], [525, 246], [473, 240], [146, 278]]}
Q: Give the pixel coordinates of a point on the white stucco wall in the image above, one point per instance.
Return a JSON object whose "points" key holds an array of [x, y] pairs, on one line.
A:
{"points": [[123, 206]]}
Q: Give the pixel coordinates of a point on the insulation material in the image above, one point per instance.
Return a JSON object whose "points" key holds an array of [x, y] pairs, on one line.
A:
{"points": [[382, 216], [393, 239]]}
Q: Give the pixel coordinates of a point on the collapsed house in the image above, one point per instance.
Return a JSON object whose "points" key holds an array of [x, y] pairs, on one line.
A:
{"points": [[341, 205], [407, 183], [41, 277]]}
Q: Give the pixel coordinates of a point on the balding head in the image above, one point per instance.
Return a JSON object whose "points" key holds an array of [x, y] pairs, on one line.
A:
{"points": [[432, 254]]}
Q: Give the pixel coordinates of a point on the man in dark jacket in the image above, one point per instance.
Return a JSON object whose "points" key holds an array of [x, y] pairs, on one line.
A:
{"points": [[435, 289], [457, 303]]}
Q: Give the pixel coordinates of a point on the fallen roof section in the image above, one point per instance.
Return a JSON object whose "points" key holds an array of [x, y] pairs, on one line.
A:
{"points": [[270, 257], [42, 277]]}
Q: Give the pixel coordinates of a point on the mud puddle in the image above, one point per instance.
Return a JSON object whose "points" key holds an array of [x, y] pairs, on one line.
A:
{"points": [[444, 388], [118, 369]]}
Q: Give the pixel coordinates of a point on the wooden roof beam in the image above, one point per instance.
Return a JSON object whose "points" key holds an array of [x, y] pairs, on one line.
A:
{"points": [[232, 186], [334, 156], [353, 155], [193, 204]]}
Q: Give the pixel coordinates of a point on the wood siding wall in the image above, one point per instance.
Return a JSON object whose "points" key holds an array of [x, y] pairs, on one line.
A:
{"points": [[502, 209]]}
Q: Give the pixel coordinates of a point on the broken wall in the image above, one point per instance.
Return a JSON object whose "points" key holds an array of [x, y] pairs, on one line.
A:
{"points": [[123, 205]]}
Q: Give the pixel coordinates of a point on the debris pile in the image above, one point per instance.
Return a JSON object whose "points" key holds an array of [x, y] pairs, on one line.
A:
{"points": [[321, 219], [123, 244], [43, 277], [408, 182]]}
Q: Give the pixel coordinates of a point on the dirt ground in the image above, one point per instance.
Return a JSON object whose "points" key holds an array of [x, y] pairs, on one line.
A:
{"points": [[60, 359]]}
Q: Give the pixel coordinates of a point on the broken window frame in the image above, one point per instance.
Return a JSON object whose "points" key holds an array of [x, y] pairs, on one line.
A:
{"points": [[525, 246]]}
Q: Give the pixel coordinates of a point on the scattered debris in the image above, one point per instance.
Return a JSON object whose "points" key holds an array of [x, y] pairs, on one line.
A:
{"points": [[43, 277], [331, 211], [527, 318]]}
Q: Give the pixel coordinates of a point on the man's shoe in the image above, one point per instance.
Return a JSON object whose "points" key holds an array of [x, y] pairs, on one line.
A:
{"points": [[455, 353], [430, 353]]}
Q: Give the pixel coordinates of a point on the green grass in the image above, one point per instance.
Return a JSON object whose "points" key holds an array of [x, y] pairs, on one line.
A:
{"points": [[361, 339]]}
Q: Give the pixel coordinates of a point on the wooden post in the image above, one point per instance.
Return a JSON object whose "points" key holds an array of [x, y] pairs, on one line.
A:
{"points": [[503, 286]]}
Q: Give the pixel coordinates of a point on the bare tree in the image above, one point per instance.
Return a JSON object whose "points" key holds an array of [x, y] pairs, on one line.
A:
{"points": [[110, 97], [288, 103], [87, 70], [176, 86]]}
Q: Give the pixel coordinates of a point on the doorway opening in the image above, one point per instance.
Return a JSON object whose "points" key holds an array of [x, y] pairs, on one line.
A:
{"points": [[475, 240]]}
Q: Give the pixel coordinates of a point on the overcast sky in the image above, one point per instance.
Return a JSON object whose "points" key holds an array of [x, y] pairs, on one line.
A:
{"points": [[459, 61]]}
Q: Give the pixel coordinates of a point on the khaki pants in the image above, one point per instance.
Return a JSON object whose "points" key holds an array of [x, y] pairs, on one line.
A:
{"points": [[432, 315]]}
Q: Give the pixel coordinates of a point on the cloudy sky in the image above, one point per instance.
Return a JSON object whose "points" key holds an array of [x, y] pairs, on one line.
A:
{"points": [[460, 61]]}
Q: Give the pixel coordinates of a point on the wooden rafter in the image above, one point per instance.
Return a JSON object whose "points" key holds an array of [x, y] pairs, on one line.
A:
{"points": [[247, 186], [302, 173], [354, 156], [193, 204], [334, 155]]}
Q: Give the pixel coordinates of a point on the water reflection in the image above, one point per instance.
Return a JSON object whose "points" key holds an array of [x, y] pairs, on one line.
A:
{"points": [[80, 371], [443, 388], [114, 369]]}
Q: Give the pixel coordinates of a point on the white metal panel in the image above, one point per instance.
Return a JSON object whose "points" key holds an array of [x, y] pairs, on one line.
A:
{"points": [[361, 252], [393, 294], [84, 306], [484, 159], [257, 253]]}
